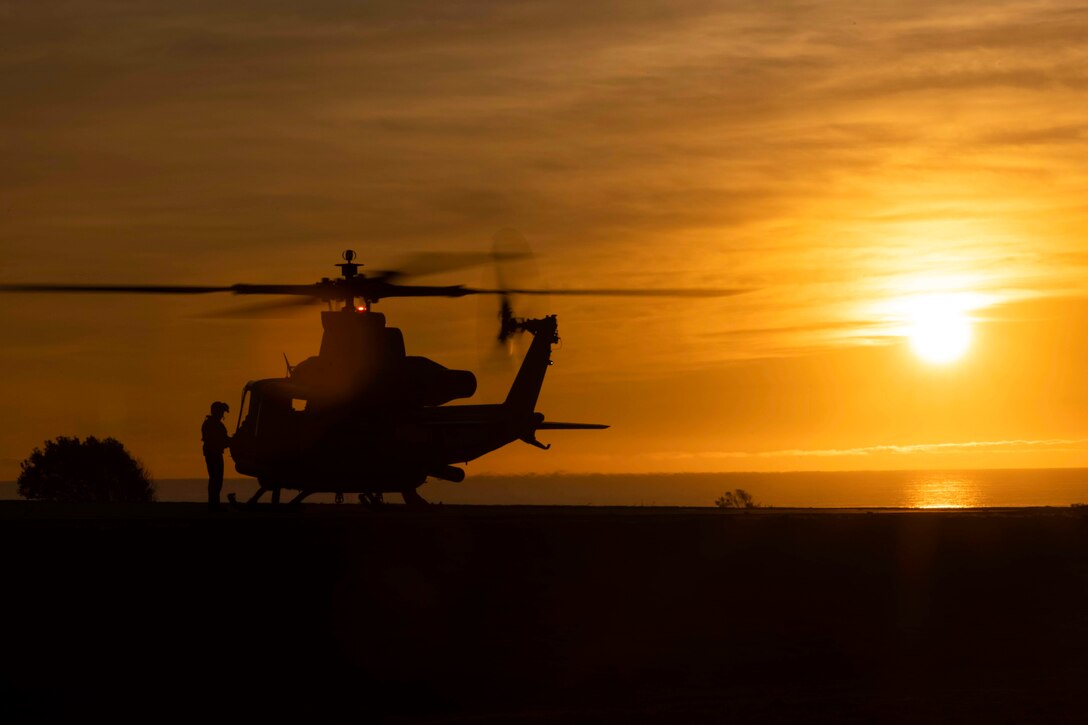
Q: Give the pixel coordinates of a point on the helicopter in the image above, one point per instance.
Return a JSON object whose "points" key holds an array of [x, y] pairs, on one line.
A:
{"points": [[362, 416]]}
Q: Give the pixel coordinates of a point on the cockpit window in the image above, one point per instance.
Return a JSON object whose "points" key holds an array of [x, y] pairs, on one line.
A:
{"points": [[242, 412]]}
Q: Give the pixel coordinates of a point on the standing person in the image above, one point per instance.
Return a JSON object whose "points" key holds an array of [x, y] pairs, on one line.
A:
{"points": [[216, 440]]}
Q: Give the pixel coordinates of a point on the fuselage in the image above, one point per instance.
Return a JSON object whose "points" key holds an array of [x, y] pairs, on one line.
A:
{"points": [[346, 426], [373, 454]]}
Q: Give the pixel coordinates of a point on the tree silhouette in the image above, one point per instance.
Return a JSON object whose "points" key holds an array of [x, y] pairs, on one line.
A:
{"points": [[90, 470], [736, 499]]}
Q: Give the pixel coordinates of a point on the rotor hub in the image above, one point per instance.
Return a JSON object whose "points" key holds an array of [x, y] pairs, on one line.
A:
{"points": [[348, 268]]}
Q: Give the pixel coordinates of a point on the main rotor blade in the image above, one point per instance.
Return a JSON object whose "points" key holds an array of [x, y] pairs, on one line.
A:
{"points": [[264, 309], [367, 288], [321, 290], [425, 263], [605, 292], [147, 289], [334, 289]]}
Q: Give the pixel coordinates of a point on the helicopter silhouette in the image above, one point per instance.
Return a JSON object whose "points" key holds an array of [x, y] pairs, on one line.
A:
{"points": [[362, 416]]}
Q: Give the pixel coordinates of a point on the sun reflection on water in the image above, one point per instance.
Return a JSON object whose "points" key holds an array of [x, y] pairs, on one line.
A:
{"points": [[943, 490]]}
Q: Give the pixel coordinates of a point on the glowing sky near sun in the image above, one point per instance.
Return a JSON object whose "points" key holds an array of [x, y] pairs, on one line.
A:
{"points": [[849, 162]]}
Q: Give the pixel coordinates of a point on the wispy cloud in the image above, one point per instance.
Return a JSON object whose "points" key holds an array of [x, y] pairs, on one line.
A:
{"points": [[1006, 446]]}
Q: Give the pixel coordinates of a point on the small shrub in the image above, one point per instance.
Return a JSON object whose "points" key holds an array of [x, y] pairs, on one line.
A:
{"points": [[736, 499]]}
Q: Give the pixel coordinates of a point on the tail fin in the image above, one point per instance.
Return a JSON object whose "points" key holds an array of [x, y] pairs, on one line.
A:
{"points": [[530, 378]]}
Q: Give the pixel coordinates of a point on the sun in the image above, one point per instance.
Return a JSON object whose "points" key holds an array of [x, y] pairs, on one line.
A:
{"points": [[939, 329]]}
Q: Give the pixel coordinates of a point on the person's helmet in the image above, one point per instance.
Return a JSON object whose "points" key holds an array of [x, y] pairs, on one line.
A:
{"points": [[219, 406]]}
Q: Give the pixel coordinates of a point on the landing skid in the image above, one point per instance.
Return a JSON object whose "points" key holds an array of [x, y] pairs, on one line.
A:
{"points": [[298, 498], [372, 500], [413, 499], [251, 502]]}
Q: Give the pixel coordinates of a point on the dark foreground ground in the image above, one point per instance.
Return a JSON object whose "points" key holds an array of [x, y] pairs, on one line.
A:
{"points": [[542, 615]]}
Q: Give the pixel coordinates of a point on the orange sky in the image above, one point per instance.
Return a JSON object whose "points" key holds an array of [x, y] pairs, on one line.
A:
{"points": [[844, 160]]}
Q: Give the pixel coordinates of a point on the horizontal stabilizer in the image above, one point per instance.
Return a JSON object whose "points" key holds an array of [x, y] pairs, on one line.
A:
{"points": [[549, 425]]}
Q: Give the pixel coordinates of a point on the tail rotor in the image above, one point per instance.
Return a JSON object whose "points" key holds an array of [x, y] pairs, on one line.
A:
{"points": [[513, 267]]}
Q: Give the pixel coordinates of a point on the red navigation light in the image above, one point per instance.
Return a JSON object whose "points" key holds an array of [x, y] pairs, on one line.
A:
{"points": [[361, 308]]}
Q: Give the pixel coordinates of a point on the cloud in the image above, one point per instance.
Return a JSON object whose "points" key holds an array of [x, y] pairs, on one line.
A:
{"points": [[792, 146], [1003, 446]]}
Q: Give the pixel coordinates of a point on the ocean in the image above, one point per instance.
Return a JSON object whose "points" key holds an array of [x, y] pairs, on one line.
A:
{"points": [[813, 489]]}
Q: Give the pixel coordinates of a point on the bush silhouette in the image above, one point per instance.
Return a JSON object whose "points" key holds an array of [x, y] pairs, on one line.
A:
{"points": [[736, 499], [92, 470]]}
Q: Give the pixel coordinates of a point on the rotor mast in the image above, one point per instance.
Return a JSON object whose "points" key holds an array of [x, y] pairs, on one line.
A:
{"points": [[349, 270]]}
